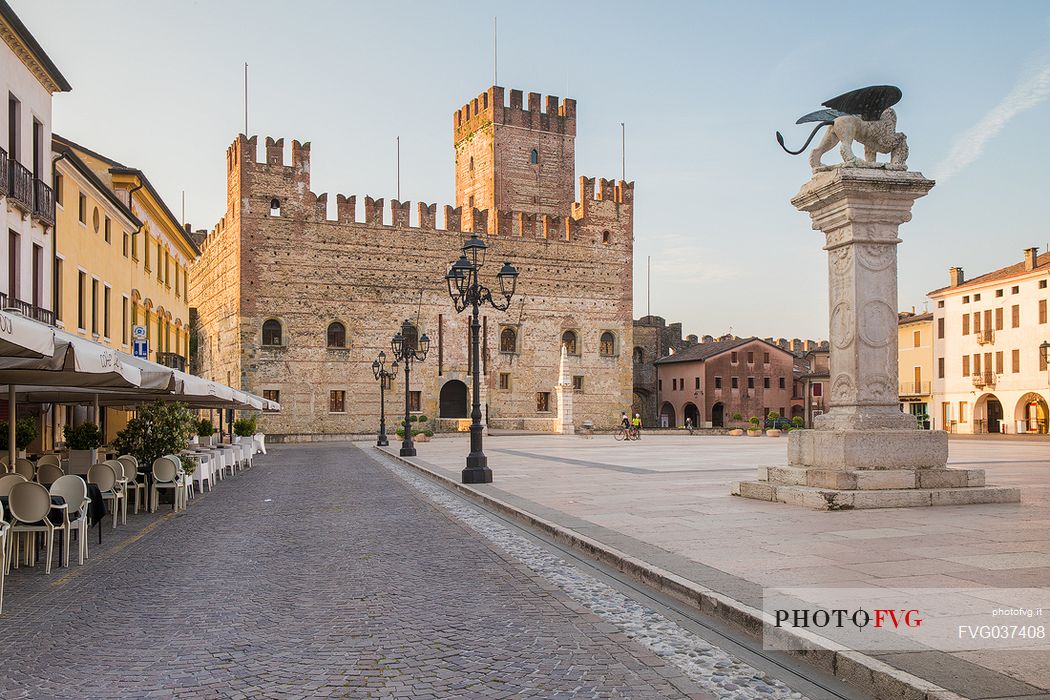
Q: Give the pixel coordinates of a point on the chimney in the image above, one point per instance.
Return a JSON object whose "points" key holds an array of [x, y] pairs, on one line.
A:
{"points": [[955, 276], [1030, 255]]}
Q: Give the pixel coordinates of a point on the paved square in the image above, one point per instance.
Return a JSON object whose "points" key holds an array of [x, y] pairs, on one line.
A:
{"points": [[666, 499]]}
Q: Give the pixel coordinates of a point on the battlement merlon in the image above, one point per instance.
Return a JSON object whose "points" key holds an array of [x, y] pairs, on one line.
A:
{"points": [[491, 107], [243, 152], [618, 192]]}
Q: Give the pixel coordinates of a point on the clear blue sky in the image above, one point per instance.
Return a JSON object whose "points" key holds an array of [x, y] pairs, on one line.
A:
{"points": [[702, 86]]}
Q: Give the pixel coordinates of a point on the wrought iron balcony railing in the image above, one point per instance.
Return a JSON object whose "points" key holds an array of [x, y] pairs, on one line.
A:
{"points": [[43, 202], [4, 173], [37, 313], [172, 360], [20, 185], [983, 379], [914, 388]]}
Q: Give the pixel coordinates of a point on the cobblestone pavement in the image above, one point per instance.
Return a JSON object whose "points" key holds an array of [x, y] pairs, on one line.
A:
{"points": [[316, 573]]}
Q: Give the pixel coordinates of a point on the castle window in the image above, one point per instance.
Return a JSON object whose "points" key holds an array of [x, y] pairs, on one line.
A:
{"points": [[508, 340], [639, 356], [272, 395], [543, 402], [472, 164], [605, 237], [534, 157], [568, 341], [607, 344], [272, 333], [336, 335], [275, 207], [577, 383], [337, 401]]}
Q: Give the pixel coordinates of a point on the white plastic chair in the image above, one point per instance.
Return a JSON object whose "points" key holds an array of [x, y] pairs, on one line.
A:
{"points": [[165, 476], [103, 476], [49, 459], [74, 490], [8, 481], [26, 468], [131, 474], [29, 505], [185, 480], [3, 560], [122, 486], [47, 474]]}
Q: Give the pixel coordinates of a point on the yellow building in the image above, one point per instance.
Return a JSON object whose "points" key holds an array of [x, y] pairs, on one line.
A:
{"points": [[121, 259], [915, 363]]}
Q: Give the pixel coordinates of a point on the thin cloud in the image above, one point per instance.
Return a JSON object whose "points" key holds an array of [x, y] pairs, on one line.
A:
{"points": [[1029, 92]]}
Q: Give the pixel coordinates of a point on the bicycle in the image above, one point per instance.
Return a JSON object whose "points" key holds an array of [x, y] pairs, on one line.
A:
{"points": [[626, 434]]}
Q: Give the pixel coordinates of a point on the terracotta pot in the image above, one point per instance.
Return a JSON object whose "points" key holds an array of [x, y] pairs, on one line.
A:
{"points": [[773, 432], [736, 432], [754, 433]]}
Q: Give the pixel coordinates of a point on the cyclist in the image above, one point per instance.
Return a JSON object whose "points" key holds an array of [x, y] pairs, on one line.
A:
{"points": [[689, 425], [625, 424], [636, 426]]}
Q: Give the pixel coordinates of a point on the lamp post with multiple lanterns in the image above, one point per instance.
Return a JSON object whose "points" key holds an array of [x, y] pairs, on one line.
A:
{"points": [[467, 291], [383, 375], [409, 347]]}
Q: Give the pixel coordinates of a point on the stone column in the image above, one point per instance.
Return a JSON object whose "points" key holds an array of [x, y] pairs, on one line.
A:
{"points": [[864, 452], [563, 394]]}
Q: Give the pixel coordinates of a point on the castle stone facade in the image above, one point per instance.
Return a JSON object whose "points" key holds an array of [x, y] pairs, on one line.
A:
{"points": [[294, 305]]}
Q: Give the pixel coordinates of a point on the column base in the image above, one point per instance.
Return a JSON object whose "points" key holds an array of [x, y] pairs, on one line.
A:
{"points": [[844, 499], [476, 475]]}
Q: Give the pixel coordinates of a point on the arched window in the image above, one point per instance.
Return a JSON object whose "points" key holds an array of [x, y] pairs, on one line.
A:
{"points": [[568, 341], [607, 344], [605, 237], [534, 157], [275, 207], [336, 335], [508, 340], [272, 332], [639, 356]]}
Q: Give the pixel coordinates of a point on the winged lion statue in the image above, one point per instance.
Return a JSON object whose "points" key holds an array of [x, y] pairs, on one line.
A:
{"points": [[866, 116]]}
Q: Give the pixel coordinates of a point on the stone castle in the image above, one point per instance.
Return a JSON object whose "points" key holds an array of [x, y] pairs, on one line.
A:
{"points": [[296, 306]]}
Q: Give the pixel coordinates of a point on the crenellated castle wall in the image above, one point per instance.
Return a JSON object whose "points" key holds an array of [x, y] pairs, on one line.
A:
{"points": [[374, 262]]}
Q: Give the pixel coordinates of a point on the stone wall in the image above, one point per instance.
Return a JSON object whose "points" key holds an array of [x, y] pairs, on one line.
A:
{"points": [[296, 266]]}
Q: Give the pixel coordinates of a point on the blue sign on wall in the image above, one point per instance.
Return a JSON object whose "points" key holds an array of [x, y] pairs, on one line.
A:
{"points": [[141, 348]]}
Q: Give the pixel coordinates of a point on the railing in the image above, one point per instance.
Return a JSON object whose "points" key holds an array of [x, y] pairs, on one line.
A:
{"points": [[172, 360], [3, 172], [984, 379], [43, 202], [28, 310], [20, 184], [913, 388], [985, 337]]}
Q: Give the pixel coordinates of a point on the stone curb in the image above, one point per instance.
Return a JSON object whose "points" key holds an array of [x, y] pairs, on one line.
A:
{"points": [[865, 673]]}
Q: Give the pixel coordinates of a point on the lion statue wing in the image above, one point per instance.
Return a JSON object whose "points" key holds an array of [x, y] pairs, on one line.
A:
{"points": [[867, 103]]}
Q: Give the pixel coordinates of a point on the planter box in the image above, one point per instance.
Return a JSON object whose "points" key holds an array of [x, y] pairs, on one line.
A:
{"points": [[773, 432], [80, 461]]}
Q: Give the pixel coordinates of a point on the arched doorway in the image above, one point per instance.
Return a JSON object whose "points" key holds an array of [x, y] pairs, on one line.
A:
{"points": [[642, 405], [718, 415], [987, 414], [995, 415], [453, 400], [667, 410], [798, 411], [692, 414], [1031, 414]]}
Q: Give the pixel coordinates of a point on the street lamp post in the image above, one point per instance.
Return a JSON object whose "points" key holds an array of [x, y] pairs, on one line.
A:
{"points": [[409, 346], [383, 375], [467, 292]]}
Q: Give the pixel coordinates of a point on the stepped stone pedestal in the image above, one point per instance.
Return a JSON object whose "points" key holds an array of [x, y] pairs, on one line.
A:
{"points": [[864, 452]]}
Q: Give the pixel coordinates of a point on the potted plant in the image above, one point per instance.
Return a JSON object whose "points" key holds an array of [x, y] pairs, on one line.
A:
{"points": [[245, 430], [755, 427], [25, 432], [205, 430], [189, 464], [922, 421], [798, 423], [734, 421], [82, 441], [774, 419], [160, 429]]}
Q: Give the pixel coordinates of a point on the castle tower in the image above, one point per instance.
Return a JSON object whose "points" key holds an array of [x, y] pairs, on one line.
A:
{"points": [[514, 156]]}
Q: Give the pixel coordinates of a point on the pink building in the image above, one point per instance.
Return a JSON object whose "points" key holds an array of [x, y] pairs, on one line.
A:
{"points": [[710, 382]]}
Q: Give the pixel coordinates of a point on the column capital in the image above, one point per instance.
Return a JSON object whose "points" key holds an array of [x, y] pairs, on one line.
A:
{"points": [[843, 197]]}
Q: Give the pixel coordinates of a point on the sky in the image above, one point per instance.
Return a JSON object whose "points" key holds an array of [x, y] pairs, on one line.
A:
{"points": [[700, 86]]}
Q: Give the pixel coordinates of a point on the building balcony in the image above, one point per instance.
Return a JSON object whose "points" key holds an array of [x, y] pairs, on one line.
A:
{"points": [[19, 185], [172, 360], [37, 313], [43, 202], [986, 337], [913, 389], [982, 379]]}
